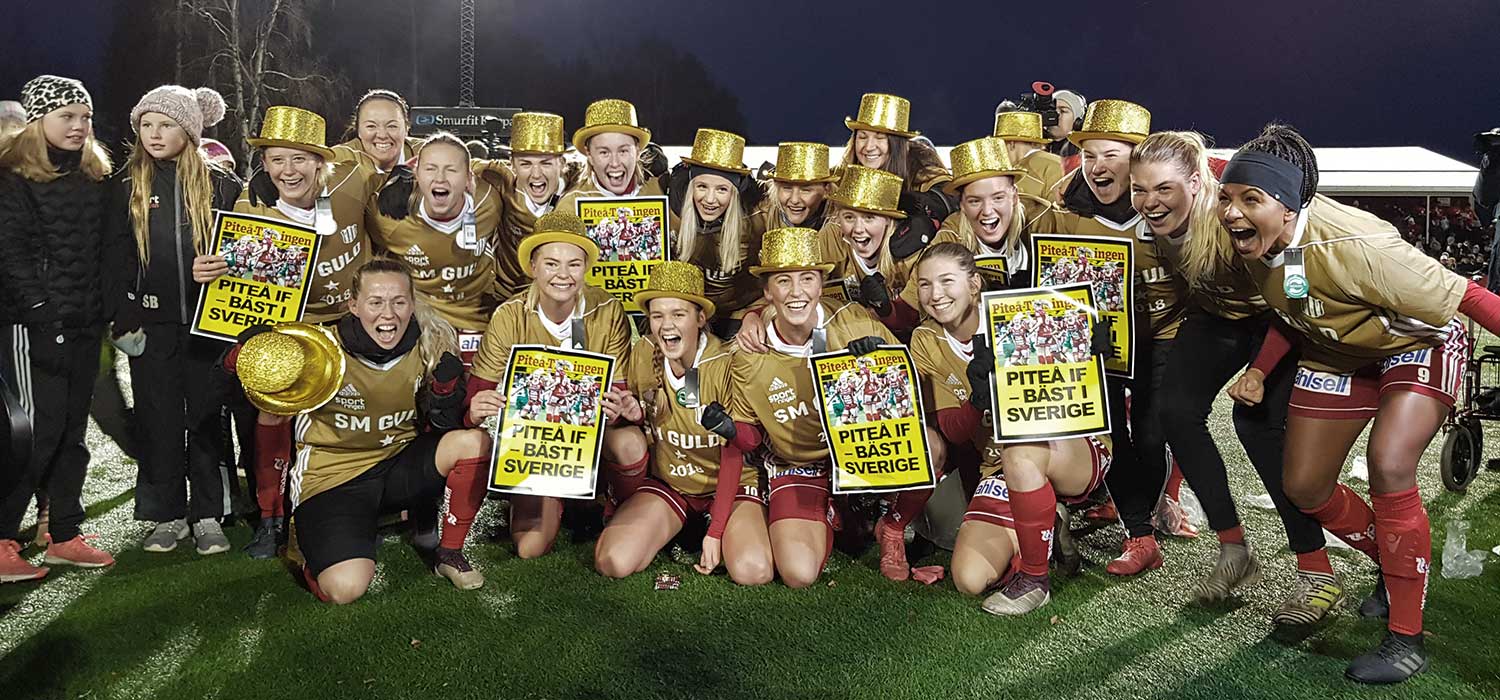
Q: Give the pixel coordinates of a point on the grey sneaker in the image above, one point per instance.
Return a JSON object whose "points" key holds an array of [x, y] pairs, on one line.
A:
{"points": [[1313, 597], [1237, 566], [209, 537], [1021, 595], [164, 538]]}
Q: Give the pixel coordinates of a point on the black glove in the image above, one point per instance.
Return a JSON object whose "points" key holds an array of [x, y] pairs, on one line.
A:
{"points": [[1099, 338], [448, 368], [717, 421], [677, 188], [980, 370], [872, 293], [654, 160], [262, 190], [394, 200], [865, 345], [913, 233]]}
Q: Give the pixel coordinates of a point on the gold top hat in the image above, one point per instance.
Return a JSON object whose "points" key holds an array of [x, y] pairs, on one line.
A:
{"points": [[884, 113], [718, 150], [558, 227], [609, 116], [977, 160], [1020, 126], [294, 368], [869, 190], [1116, 120], [292, 127], [801, 162], [676, 280], [789, 249], [537, 132]]}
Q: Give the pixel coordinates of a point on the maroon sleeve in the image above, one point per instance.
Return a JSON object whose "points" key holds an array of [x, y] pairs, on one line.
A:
{"points": [[731, 467], [1272, 349], [475, 385], [959, 424], [1482, 306], [902, 318]]}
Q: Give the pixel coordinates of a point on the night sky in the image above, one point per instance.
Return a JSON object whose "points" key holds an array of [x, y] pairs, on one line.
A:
{"points": [[1345, 72]]}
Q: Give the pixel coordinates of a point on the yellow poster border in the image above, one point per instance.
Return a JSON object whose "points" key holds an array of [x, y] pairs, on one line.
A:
{"points": [[495, 441], [1125, 352], [312, 256], [917, 407]]}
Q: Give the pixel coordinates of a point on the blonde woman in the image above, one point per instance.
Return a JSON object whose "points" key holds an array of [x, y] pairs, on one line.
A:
{"points": [[713, 194]]}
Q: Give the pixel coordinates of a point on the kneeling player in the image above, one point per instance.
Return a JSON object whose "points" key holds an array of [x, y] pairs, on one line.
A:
{"points": [[360, 447], [673, 373]]}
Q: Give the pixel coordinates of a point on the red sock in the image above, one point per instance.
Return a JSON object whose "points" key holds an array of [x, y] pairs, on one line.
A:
{"points": [[465, 495], [1234, 535], [1348, 517], [908, 505], [273, 452], [1406, 552], [1035, 512], [624, 479], [1174, 484], [1315, 562]]}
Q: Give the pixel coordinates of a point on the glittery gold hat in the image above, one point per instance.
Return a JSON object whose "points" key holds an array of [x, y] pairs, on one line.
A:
{"points": [[294, 368], [718, 150], [292, 127], [558, 227], [609, 116], [800, 162], [1019, 126], [676, 280], [869, 190], [1115, 120], [884, 113], [977, 160], [537, 132], [789, 249]]}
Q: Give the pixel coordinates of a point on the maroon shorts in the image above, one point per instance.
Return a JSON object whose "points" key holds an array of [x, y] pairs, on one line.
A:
{"points": [[799, 493], [991, 501], [468, 346], [684, 505], [1437, 372]]}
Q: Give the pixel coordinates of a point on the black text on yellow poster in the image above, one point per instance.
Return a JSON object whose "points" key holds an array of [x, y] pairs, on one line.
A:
{"points": [[1106, 265], [269, 269], [1048, 383], [994, 269], [631, 233], [873, 419], [551, 430]]}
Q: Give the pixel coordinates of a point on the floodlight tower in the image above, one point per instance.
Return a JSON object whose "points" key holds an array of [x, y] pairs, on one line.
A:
{"points": [[466, 53]]}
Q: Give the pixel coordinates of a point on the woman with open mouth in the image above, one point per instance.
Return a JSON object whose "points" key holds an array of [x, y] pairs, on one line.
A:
{"points": [[533, 183], [1014, 517], [713, 194], [1176, 193], [800, 185], [875, 267], [613, 141], [993, 220], [673, 373], [558, 310], [1378, 324], [380, 128]]}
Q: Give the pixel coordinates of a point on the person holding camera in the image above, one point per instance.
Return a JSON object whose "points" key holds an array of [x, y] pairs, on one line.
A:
{"points": [[1486, 198]]}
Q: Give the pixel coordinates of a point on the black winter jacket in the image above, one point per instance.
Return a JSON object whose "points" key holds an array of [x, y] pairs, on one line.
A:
{"points": [[57, 260]]}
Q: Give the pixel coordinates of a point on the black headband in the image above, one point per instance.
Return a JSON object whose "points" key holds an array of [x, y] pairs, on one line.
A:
{"points": [[1274, 176], [736, 179]]}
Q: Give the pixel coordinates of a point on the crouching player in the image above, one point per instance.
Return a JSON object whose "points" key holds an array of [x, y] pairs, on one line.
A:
{"points": [[377, 398], [1008, 532], [673, 373]]}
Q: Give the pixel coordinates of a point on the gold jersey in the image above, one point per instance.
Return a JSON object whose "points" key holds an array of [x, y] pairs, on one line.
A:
{"points": [[734, 290], [1227, 292], [517, 221], [1042, 172], [1160, 294], [519, 322]]}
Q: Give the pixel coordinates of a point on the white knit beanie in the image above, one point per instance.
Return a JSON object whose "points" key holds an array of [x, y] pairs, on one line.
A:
{"points": [[1074, 100], [193, 110]]}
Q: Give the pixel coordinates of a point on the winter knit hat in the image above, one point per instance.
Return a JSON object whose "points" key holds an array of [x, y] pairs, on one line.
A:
{"points": [[1073, 100], [45, 93], [193, 110]]}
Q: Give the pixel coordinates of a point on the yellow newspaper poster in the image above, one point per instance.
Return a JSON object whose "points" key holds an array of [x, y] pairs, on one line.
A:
{"points": [[551, 431], [994, 269], [631, 233], [1048, 382], [872, 417], [269, 270], [1106, 265]]}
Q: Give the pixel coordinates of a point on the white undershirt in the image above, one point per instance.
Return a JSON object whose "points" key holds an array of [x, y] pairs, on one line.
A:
{"points": [[863, 267], [1297, 234], [306, 217], [563, 332], [450, 226], [785, 348], [675, 382], [964, 349]]}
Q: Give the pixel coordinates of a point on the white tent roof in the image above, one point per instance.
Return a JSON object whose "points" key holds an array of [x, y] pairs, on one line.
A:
{"points": [[1388, 171]]}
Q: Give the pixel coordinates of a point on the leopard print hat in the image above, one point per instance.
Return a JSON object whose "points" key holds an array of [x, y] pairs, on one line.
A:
{"points": [[45, 93]]}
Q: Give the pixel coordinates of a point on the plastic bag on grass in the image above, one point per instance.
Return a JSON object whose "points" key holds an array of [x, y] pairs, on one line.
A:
{"points": [[1458, 560]]}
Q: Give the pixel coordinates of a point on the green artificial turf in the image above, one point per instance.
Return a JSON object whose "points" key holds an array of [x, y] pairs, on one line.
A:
{"points": [[182, 626]]}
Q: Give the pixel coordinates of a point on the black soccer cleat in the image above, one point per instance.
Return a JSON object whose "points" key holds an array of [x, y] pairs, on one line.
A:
{"points": [[1398, 658], [1378, 605]]}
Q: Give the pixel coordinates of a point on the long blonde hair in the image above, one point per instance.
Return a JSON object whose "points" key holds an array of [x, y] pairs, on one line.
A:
{"points": [[197, 195], [1207, 249], [25, 153], [731, 233], [438, 335]]}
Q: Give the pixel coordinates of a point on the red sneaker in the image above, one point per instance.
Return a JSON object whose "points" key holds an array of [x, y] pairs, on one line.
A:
{"points": [[79, 553], [892, 538], [1104, 512], [1141, 554], [13, 568]]}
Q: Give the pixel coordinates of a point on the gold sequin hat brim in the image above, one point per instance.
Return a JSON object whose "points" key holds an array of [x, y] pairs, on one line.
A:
{"points": [[292, 127], [887, 114], [718, 150], [558, 227], [1113, 120], [977, 160], [537, 132], [869, 190], [292, 369], [790, 249], [610, 116], [1024, 127], [674, 279], [802, 163]]}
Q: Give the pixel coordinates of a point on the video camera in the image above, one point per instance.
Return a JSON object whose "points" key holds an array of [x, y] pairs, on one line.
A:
{"points": [[1041, 101]]}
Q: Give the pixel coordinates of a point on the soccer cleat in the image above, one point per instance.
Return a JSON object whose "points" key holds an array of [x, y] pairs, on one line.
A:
{"points": [[1140, 554], [1104, 512], [165, 536], [452, 565], [1398, 658], [892, 538], [1022, 594], [264, 544], [1237, 566], [1313, 597], [209, 537], [1378, 605], [13, 568], [78, 553], [1064, 548]]}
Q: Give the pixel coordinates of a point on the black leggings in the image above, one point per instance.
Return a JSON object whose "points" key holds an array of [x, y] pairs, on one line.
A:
{"points": [[1208, 352], [1139, 470]]}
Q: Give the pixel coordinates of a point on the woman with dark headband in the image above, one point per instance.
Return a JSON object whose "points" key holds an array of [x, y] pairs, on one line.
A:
{"points": [[1378, 325]]}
